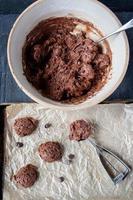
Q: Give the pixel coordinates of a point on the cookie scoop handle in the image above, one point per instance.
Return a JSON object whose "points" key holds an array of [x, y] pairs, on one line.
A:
{"points": [[116, 168]]}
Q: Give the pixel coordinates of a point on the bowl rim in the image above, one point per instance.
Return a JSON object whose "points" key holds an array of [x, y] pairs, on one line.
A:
{"points": [[66, 106]]}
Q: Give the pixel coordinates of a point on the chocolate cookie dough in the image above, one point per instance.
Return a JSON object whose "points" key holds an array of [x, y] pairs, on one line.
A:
{"points": [[25, 126], [63, 65], [80, 130], [50, 151], [26, 176]]}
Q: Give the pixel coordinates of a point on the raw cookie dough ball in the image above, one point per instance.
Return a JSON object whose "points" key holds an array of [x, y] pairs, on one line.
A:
{"points": [[26, 176], [25, 126], [50, 151], [80, 130]]}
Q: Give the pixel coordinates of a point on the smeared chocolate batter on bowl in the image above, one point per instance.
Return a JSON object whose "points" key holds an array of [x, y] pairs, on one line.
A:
{"points": [[62, 65]]}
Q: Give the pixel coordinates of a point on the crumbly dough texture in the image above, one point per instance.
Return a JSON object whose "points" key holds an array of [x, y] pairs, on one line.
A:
{"points": [[26, 176], [80, 130], [50, 151], [25, 126], [63, 65]]}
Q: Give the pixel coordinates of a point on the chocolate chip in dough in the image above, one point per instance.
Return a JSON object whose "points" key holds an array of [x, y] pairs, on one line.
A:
{"points": [[26, 176], [19, 144], [51, 151], [25, 126]]}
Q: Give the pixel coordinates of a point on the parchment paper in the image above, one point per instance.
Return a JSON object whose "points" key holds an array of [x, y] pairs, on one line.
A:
{"points": [[85, 178]]}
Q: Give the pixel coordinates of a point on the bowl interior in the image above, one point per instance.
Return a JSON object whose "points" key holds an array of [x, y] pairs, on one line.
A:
{"points": [[90, 10]]}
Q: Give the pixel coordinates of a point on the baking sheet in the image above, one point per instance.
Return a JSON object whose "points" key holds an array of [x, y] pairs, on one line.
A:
{"points": [[85, 178]]}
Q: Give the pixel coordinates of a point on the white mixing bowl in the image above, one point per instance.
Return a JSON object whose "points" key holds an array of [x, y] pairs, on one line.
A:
{"points": [[91, 10]]}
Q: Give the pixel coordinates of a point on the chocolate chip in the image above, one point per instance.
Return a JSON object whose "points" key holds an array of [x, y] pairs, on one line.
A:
{"points": [[48, 125], [19, 144], [71, 156], [70, 161], [62, 179]]}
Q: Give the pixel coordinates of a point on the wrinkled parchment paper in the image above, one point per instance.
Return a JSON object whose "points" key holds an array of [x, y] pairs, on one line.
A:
{"points": [[85, 178]]}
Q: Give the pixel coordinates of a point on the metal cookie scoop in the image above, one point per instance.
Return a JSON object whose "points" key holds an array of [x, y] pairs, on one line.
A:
{"points": [[115, 167], [122, 28]]}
